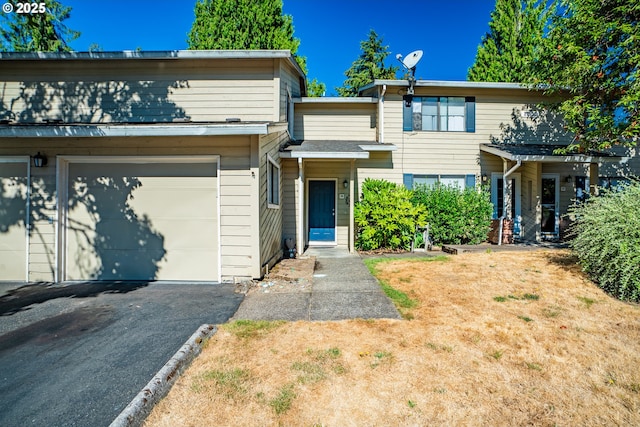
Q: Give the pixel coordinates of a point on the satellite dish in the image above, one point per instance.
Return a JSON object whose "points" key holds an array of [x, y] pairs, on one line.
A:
{"points": [[412, 59]]}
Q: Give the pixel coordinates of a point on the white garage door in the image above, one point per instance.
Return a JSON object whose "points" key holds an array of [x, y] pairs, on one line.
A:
{"points": [[13, 217], [142, 221]]}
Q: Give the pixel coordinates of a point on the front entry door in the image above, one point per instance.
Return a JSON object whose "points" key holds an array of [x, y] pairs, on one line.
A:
{"points": [[322, 212], [550, 202]]}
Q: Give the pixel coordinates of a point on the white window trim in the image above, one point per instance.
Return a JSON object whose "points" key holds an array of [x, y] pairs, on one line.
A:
{"points": [[270, 162]]}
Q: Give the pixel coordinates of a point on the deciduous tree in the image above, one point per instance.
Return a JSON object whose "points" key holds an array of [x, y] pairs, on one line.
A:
{"points": [[591, 57]]}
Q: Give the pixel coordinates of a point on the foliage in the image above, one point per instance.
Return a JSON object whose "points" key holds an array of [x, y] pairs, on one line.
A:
{"points": [[515, 29], [368, 67], [455, 216], [591, 59], [385, 216], [245, 24], [37, 32], [316, 88], [606, 239]]}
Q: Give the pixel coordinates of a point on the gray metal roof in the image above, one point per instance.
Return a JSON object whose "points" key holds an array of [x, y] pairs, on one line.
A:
{"points": [[163, 54], [543, 153], [334, 149]]}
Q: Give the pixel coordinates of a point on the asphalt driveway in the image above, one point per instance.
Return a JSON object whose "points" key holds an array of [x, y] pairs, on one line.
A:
{"points": [[76, 355]]}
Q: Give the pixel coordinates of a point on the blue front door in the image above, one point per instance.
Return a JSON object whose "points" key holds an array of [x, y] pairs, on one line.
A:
{"points": [[322, 211]]}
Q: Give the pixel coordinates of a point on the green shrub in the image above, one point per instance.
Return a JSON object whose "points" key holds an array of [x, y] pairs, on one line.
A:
{"points": [[385, 216], [606, 239], [455, 216]]}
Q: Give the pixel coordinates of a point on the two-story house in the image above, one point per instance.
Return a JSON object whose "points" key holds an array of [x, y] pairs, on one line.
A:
{"points": [[199, 165]]}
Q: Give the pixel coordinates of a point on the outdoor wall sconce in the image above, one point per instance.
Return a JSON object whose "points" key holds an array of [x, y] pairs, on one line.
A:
{"points": [[484, 177], [39, 160], [407, 100], [568, 179], [345, 184]]}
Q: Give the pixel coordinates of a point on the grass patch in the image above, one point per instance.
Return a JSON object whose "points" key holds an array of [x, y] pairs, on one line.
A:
{"points": [[499, 299], [525, 297], [401, 300], [251, 328], [440, 347], [282, 402], [525, 318], [497, 354], [588, 301], [534, 366], [552, 311], [232, 384], [321, 362]]}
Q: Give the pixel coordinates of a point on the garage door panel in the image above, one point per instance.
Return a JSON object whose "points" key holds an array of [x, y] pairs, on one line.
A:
{"points": [[13, 217], [143, 221]]}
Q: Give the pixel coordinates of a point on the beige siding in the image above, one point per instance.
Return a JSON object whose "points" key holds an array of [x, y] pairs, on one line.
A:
{"points": [[144, 91], [289, 83], [290, 196], [237, 205], [270, 215], [335, 121]]}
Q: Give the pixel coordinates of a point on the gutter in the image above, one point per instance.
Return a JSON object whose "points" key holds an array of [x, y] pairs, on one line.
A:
{"points": [[505, 177]]}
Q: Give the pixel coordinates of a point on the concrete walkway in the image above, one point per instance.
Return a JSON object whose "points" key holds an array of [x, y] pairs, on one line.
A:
{"points": [[342, 289]]}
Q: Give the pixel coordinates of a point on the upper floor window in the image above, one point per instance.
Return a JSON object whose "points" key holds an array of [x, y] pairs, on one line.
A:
{"points": [[440, 113]]}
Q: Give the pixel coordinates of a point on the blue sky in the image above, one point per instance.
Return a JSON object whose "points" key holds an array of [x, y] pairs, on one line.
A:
{"points": [[330, 30]]}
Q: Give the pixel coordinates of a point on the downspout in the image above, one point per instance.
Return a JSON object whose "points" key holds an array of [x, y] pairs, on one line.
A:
{"points": [[300, 232], [381, 115], [505, 176]]}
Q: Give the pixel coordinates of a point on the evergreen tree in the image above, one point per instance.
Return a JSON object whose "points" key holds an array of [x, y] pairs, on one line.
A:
{"points": [[591, 59], [515, 29], [368, 67], [244, 24], [38, 32]]}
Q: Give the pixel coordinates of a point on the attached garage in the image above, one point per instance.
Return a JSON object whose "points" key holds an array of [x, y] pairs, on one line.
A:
{"points": [[140, 218], [14, 211]]}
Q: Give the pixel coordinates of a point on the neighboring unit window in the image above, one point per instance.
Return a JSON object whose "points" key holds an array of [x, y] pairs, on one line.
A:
{"points": [[440, 113], [273, 183], [460, 181]]}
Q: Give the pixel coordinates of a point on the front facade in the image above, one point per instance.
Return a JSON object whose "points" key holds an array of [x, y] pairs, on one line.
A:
{"points": [[206, 166]]}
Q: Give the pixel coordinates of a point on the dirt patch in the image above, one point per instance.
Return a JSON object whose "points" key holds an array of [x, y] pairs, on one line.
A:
{"points": [[502, 339], [289, 275]]}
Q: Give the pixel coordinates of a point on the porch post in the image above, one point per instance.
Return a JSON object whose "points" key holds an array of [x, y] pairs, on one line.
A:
{"points": [[351, 208], [593, 179], [300, 242]]}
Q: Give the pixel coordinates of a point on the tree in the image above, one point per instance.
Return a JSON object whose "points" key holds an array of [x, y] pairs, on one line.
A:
{"points": [[368, 67], [591, 59], [515, 29], [38, 32], [243, 24]]}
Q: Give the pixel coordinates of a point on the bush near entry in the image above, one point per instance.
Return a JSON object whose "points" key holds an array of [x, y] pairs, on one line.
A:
{"points": [[606, 239], [455, 216], [385, 216]]}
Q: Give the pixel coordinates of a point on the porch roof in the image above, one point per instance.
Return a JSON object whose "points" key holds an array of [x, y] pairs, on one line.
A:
{"points": [[329, 149], [543, 153]]}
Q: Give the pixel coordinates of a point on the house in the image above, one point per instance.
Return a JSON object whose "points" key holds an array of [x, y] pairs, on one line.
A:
{"points": [[199, 165]]}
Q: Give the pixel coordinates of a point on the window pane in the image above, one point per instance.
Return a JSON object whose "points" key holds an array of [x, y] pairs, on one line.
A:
{"points": [[456, 123], [428, 180], [430, 113], [453, 181], [456, 114]]}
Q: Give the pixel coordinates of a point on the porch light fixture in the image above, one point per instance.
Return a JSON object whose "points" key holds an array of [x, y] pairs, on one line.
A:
{"points": [[568, 179], [345, 184], [485, 178], [39, 160]]}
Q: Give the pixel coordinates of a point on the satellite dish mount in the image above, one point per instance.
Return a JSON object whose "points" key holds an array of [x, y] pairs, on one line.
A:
{"points": [[410, 62]]}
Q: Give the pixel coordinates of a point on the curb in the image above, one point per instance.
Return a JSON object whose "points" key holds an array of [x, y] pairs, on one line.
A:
{"points": [[140, 407]]}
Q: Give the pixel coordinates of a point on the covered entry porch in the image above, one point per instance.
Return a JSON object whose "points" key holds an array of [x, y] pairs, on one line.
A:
{"points": [[534, 186], [320, 181]]}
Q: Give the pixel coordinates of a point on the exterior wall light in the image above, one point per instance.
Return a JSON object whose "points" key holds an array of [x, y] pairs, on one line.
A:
{"points": [[39, 160], [345, 184], [569, 179]]}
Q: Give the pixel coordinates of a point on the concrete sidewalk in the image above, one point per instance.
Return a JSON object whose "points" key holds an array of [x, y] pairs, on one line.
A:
{"points": [[342, 289]]}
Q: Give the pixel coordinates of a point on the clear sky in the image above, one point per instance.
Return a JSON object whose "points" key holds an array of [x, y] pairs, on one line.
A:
{"points": [[448, 31]]}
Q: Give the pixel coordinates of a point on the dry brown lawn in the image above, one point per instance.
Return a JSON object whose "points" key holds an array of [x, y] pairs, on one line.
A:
{"points": [[498, 339]]}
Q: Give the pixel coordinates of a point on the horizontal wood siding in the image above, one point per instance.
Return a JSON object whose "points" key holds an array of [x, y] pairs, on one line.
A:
{"points": [[355, 122], [237, 208], [270, 217], [290, 196], [289, 79], [139, 91]]}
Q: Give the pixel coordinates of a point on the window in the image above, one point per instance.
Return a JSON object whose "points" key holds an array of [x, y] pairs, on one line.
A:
{"points": [[273, 183], [440, 113], [460, 181]]}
